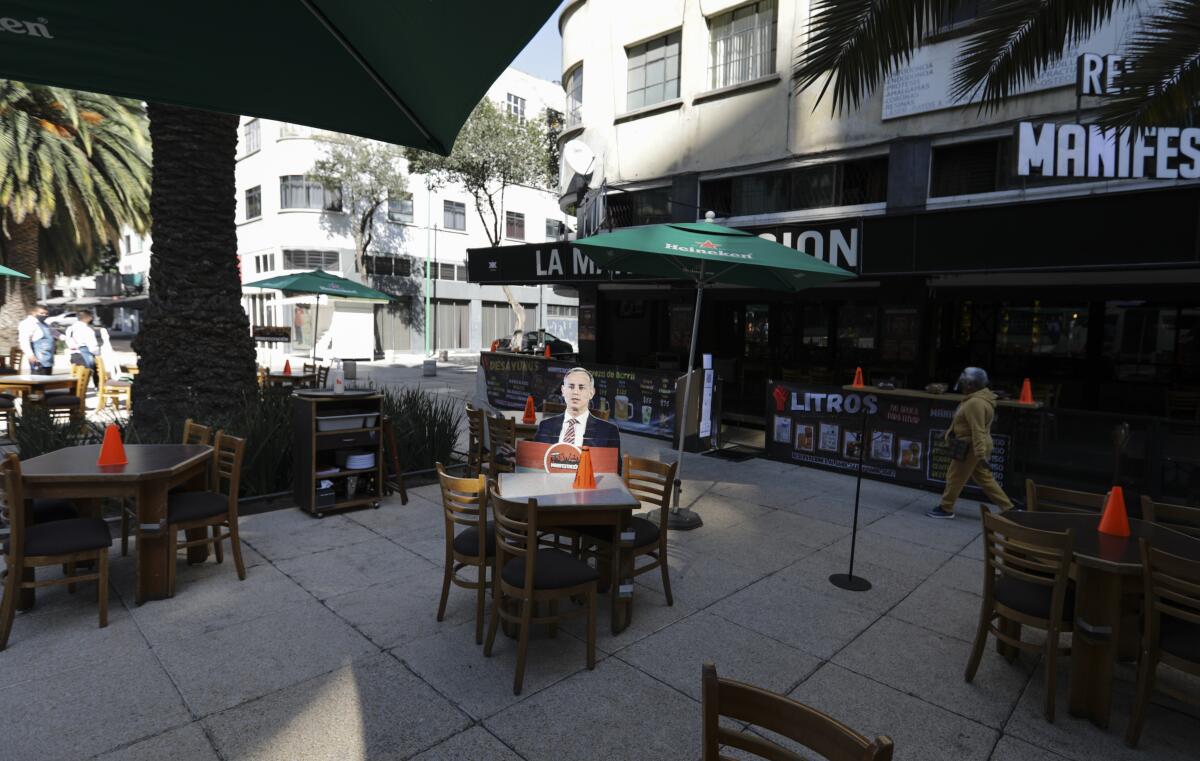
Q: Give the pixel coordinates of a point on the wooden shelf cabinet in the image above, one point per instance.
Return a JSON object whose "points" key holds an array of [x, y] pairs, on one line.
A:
{"points": [[316, 450]]}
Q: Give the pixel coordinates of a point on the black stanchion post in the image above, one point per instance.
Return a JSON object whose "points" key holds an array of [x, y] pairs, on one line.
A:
{"points": [[849, 581]]}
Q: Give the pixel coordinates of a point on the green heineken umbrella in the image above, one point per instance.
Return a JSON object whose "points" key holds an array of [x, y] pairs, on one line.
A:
{"points": [[706, 253], [10, 272], [320, 282], [401, 71]]}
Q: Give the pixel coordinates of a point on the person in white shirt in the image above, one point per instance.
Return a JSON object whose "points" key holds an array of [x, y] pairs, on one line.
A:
{"points": [[36, 340], [82, 343]]}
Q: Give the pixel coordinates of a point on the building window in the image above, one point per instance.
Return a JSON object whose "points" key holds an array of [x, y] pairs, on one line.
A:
{"points": [[251, 137], [287, 129], [982, 166], [575, 97], [561, 310], [957, 19], [400, 209], [514, 106], [741, 44], [844, 183], [133, 244], [264, 263], [639, 207], [298, 192], [653, 72], [254, 202], [454, 215], [514, 225], [310, 260], [553, 229]]}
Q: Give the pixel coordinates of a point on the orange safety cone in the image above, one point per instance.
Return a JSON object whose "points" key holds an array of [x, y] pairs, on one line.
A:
{"points": [[530, 411], [585, 477], [112, 451], [1026, 396], [287, 367], [1115, 521], [547, 352], [495, 344], [858, 379]]}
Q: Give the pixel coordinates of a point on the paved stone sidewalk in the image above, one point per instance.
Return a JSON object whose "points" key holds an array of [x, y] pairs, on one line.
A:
{"points": [[330, 650]]}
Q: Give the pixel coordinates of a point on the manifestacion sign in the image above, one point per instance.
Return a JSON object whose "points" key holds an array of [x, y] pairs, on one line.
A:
{"points": [[823, 427], [1089, 151]]}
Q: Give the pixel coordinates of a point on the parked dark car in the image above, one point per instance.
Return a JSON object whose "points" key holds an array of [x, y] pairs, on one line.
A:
{"points": [[536, 342]]}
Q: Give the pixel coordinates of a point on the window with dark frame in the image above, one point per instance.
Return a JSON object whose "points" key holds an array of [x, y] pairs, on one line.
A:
{"points": [[553, 229], [254, 202], [653, 71], [400, 209], [574, 88], [454, 215], [251, 137], [846, 183], [300, 259], [514, 225], [514, 106], [741, 44], [299, 192]]}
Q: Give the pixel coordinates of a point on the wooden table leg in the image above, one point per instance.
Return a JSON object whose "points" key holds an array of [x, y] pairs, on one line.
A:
{"points": [[198, 553], [26, 598], [622, 597], [152, 554], [1094, 644]]}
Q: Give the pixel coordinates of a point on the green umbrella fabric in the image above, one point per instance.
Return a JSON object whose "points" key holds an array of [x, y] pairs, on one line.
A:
{"points": [[727, 255], [321, 282], [400, 71], [10, 272]]}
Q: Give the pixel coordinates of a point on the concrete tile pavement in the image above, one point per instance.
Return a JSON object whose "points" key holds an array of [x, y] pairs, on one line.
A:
{"points": [[330, 649]]}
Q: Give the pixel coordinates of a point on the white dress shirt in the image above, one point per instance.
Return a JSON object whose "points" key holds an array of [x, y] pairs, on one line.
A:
{"points": [[81, 334], [580, 424], [27, 330]]}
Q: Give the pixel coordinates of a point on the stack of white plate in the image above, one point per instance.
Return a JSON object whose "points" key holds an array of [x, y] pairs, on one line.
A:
{"points": [[360, 461]]}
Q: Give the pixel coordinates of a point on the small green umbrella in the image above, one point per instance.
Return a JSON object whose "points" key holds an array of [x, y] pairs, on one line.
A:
{"points": [[706, 253], [320, 282], [9, 272]]}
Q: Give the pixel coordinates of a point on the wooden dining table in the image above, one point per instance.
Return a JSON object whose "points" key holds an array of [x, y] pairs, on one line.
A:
{"points": [[1103, 567], [152, 471], [561, 505], [291, 379], [27, 385]]}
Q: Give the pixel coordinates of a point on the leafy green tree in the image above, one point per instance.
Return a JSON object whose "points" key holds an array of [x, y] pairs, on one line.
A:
{"points": [[366, 173], [493, 152], [74, 169], [853, 45]]}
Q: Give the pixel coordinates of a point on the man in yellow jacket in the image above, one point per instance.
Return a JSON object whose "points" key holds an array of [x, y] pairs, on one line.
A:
{"points": [[971, 433]]}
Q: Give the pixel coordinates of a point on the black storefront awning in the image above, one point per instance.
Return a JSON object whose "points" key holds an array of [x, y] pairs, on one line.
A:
{"points": [[556, 262]]}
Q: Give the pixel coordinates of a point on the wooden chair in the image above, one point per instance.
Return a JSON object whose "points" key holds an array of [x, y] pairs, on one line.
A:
{"points": [[58, 543], [651, 482], [73, 404], [15, 358], [193, 433], [1171, 633], [309, 367], [525, 576], [204, 509], [115, 390], [1181, 518], [1025, 582], [1052, 499], [393, 475], [747, 704], [477, 451], [502, 445], [322, 376], [464, 503]]}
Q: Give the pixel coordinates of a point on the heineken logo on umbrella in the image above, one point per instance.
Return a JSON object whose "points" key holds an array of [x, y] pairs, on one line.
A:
{"points": [[706, 247], [707, 244]]}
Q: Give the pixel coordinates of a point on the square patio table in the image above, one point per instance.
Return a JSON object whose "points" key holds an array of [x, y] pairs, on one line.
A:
{"points": [[27, 384], [562, 505]]}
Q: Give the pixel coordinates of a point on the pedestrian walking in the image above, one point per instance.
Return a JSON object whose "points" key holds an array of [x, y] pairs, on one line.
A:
{"points": [[37, 339], [82, 343]]}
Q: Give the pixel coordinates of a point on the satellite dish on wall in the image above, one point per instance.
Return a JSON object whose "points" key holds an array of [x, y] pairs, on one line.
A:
{"points": [[578, 157]]}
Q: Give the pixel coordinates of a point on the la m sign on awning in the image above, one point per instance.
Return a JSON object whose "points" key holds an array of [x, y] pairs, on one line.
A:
{"points": [[539, 263]]}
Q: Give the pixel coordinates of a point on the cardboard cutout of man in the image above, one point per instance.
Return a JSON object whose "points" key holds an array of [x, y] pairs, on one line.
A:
{"points": [[577, 425]]}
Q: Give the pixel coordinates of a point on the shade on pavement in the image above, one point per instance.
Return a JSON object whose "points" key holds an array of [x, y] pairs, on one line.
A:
{"points": [[706, 253], [401, 71]]}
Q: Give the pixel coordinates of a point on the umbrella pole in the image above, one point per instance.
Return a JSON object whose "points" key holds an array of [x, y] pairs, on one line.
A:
{"points": [[316, 328], [685, 520]]}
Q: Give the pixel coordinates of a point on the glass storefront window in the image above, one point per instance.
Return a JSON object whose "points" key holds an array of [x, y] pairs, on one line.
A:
{"points": [[1037, 329], [816, 326], [1139, 339], [757, 329], [856, 327], [901, 331]]}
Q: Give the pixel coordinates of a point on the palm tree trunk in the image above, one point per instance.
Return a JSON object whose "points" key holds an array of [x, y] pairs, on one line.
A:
{"points": [[19, 294], [195, 354]]}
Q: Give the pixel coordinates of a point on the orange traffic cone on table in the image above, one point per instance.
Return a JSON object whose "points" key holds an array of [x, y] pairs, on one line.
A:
{"points": [[1026, 396], [858, 379], [530, 415], [112, 451], [1115, 521], [547, 352], [287, 367], [585, 477]]}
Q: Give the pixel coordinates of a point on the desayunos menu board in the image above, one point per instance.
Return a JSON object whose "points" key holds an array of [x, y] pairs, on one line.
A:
{"points": [[823, 427], [637, 400]]}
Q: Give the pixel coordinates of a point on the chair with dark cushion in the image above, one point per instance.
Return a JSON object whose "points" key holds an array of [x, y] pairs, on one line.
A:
{"points": [[195, 434], [1053, 499], [1025, 583], [70, 404], [50, 510], [529, 575], [746, 705], [216, 508], [1181, 518], [1171, 633], [63, 542], [464, 504]]}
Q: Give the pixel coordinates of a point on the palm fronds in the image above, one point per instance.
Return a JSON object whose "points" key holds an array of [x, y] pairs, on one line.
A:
{"points": [[1162, 82]]}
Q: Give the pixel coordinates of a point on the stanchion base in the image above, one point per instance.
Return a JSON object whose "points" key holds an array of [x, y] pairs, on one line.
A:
{"points": [[849, 583], [683, 520]]}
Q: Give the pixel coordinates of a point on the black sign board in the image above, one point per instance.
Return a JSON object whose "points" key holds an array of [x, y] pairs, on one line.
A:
{"points": [[637, 400], [535, 263], [823, 427]]}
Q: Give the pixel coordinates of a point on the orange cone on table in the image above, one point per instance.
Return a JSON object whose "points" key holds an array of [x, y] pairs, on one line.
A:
{"points": [[495, 344], [287, 367], [858, 379], [112, 451], [547, 352], [1115, 521], [530, 411], [585, 477], [1026, 396]]}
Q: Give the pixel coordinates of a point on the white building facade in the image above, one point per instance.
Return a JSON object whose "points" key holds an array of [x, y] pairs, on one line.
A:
{"points": [[285, 224]]}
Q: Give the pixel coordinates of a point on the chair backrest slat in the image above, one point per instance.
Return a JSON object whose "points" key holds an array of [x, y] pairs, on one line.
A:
{"points": [[475, 434], [1180, 518], [194, 433], [515, 523], [814, 730], [502, 441], [82, 375], [464, 501], [14, 505], [650, 481], [1053, 499], [1026, 554], [228, 452], [1171, 585]]}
